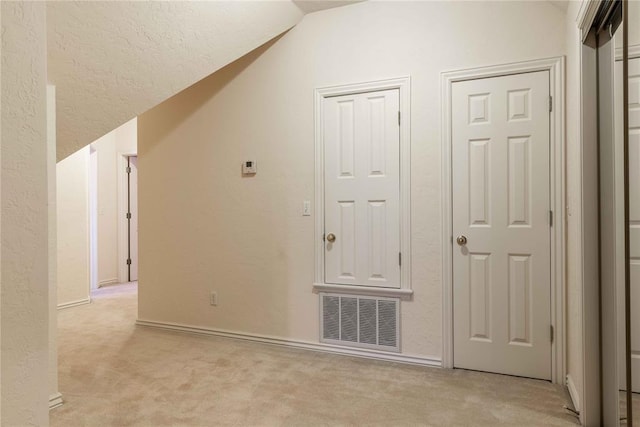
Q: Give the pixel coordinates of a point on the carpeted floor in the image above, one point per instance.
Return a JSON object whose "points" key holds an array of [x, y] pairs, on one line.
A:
{"points": [[113, 373]]}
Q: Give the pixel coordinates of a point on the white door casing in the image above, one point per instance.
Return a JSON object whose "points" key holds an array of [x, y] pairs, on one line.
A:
{"points": [[634, 222], [122, 163], [501, 204], [362, 188], [133, 203]]}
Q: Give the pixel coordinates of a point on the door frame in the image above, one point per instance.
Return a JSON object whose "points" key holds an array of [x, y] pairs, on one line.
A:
{"points": [[403, 84], [121, 164], [555, 67]]}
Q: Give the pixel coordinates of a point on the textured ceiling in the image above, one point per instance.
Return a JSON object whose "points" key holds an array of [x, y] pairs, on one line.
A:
{"points": [[111, 61]]}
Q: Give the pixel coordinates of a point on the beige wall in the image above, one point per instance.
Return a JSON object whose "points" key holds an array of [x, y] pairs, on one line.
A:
{"points": [[109, 148], [73, 227], [573, 191], [24, 349], [203, 227]]}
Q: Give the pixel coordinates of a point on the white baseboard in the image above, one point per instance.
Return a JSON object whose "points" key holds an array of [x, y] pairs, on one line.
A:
{"points": [[69, 304], [55, 400], [321, 347], [573, 393], [108, 282]]}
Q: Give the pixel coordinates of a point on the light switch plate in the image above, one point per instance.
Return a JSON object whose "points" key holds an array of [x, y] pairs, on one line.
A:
{"points": [[306, 208]]}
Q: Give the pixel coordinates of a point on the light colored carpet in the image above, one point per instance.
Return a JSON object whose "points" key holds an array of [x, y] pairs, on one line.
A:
{"points": [[113, 373]]}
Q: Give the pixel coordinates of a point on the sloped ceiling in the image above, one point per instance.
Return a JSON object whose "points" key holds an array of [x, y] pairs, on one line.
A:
{"points": [[111, 61]]}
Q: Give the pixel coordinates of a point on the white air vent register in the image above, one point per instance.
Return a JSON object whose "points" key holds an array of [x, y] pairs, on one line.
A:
{"points": [[360, 321]]}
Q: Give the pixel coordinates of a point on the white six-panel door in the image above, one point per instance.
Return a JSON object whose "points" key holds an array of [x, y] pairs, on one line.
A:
{"points": [[501, 206], [362, 189]]}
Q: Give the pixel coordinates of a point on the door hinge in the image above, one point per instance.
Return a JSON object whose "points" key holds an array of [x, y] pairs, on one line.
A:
{"points": [[400, 258], [550, 103], [398, 118], [550, 218], [128, 215], [128, 169], [551, 332], [129, 261]]}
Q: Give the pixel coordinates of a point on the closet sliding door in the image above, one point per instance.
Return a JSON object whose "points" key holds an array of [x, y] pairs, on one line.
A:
{"points": [[618, 170]]}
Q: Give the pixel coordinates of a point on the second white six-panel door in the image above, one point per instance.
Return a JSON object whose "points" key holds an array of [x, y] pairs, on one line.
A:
{"points": [[361, 136], [501, 215]]}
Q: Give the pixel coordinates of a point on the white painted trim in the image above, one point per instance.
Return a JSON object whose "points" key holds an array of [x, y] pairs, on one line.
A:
{"points": [[403, 294], [555, 66], [75, 303], [634, 52], [588, 248], [573, 393], [319, 347], [586, 16], [121, 164], [107, 282], [403, 84], [55, 400]]}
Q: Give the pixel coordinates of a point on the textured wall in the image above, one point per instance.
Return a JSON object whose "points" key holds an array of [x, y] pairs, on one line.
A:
{"points": [[72, 207], [203, 227], [23, 221], [111, 61]]}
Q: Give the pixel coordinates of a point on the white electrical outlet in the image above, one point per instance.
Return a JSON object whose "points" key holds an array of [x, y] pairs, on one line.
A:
{"points": [[306, 208], [213, 298]]}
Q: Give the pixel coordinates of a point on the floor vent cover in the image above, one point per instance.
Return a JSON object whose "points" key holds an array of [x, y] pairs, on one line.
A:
{"points": [[359, 321]]}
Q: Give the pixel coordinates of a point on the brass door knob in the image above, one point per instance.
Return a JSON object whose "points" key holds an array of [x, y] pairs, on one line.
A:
{"points": [[331, 237], [462, 240]]}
